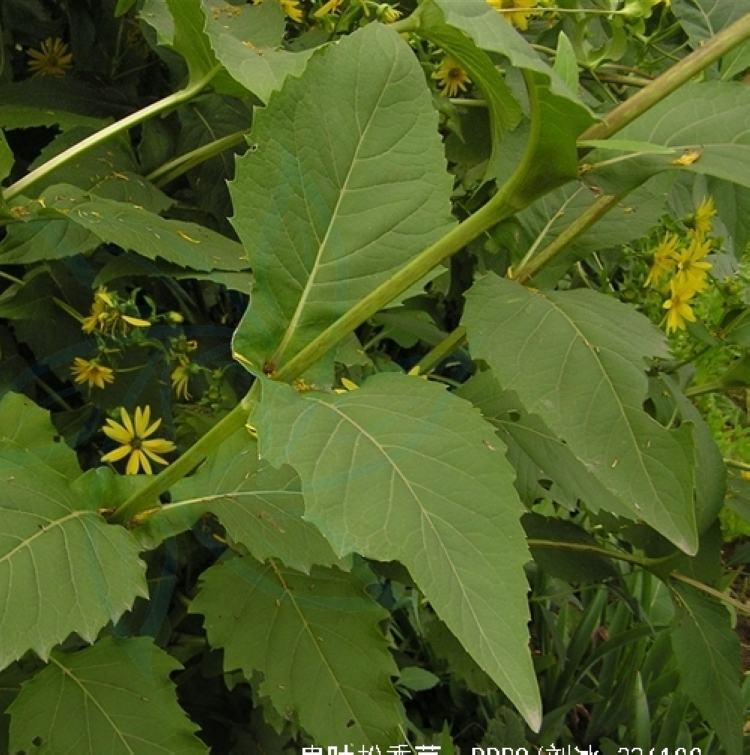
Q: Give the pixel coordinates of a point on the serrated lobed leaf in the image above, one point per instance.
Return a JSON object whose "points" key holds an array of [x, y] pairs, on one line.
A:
{"points": [[261, 507], [576, 358], [316, 641], [62, 568], [402, 470], [703, 631], [115, 697], [346, 184]]}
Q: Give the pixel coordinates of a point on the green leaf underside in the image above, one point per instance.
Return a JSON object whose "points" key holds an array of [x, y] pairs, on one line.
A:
{"points": [[62, 568], [316, 641], [261, 507], [712, 119], [245, 38], [131, 227], [526, 434], [402, 470], [554, 349], [347, 183], [703, 19], [115, 697], [704, 632]]}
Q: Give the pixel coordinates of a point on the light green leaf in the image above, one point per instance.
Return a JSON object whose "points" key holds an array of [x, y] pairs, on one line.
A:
{"points": [[577, 358], [189, 39], [566, 64], [62, 568], [703, 631], [733, 206], [156, 13], [708, 123], [30, 427], [246, 40], [703, 19], [736, 62], [115, 697], [261, 507], [402, 470], [316, 641], [45, 238], [6, 158], [347, 183], [132, 227], [527, 435]]}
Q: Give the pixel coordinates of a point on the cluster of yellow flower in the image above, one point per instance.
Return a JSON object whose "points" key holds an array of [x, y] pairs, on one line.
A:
{"points": [[680, 270]]}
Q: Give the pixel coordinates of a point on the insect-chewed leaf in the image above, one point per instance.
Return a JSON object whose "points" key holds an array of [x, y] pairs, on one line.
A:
{"points": [[402, 470], [577, 358], [346, 184]]}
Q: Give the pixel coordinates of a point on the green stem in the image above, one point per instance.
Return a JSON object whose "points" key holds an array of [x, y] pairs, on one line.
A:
{"points": [[699, 390], [712, 591], [175, 168], [579, 226], [436, 355], [671, 80], [159, 484], [585, 548], [737, 465], [167, 103]]}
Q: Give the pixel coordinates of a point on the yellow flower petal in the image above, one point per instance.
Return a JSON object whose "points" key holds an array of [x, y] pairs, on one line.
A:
{"points": [[117, 453]]}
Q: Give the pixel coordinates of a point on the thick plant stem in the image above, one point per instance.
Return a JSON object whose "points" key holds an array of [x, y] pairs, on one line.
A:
{"points": [[671, 80], [436, 355], [578, 227], [173, 100], [159, 484]]}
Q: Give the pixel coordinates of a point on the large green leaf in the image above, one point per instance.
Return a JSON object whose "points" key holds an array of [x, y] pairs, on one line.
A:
{"points": [[246, 39], [129, 226], [189, 39], [576, 358], [709, 121], [703, 19], [261, 507], [704, 632], [402, 470], [62, 568], [346, 183], [115, 697], [526, 434], [316, 641]]}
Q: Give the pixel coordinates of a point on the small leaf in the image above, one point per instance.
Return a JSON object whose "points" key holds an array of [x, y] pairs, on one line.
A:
{"points": [[347, 183], [62, 568], [402, 470], [576, 358], [316, 641], [115, 697], [566, 64], [6, 158], [703, 631]]}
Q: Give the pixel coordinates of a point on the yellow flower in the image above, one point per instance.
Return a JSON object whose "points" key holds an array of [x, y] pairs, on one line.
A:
{"points": [[91, 372], [181, 380], [52, 60], [132, 437], [291, 9], [692, 271], [389, 13], [678, 306], [702, 219], [519, 18], [105, 315], [664, 260], [330, 7], [451, 77]]}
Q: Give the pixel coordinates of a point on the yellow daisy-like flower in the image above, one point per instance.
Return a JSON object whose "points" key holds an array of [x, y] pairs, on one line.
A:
{"points": [[91, 372], [181, 381], [679, 311], [52, 60], [331, 6], [291, 9], [132, 435], [702, 219], [451, 77], [519, 18], [692, 270], [665, 261]]}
